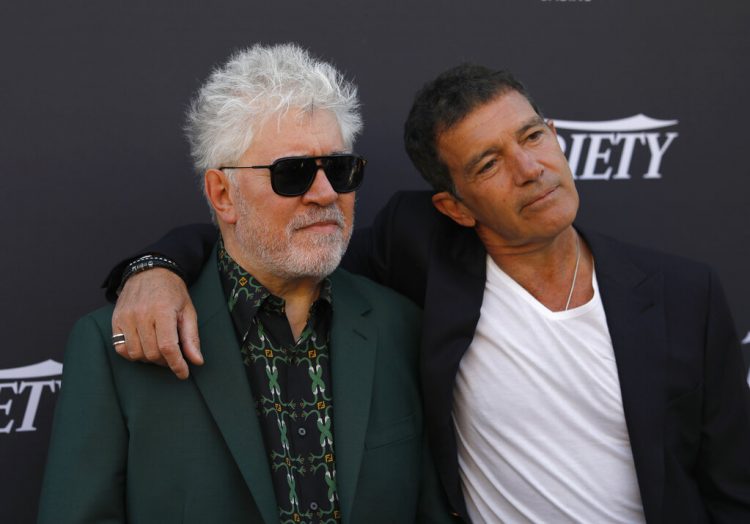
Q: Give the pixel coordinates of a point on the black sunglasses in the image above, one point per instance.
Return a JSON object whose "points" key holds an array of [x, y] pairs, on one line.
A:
{"points": [[293, 176]]}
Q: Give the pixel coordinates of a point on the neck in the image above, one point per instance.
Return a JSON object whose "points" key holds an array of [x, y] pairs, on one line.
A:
{"points": [[298, 293], [298, 300], [547, 269]]}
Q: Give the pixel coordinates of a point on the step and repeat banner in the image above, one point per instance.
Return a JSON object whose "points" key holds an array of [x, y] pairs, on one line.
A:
{"points": [[649, 97]]}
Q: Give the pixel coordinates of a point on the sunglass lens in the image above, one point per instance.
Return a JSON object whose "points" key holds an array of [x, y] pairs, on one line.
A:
{"points": [[344, 172], [292, 176]]}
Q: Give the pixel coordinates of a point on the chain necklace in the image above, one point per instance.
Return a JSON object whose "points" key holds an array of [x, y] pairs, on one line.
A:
{"points": [[575, 273]]}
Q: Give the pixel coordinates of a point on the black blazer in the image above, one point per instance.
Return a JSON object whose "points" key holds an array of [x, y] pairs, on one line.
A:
{"points": [[686, 402]]}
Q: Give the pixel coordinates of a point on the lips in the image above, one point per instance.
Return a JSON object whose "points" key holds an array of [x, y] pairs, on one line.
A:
{"points": [[326, 217], [322, 225], [539, 197]]}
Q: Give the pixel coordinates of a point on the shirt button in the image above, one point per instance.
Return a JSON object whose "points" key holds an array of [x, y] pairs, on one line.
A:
{"points": [[313, 506], [302, 432]]}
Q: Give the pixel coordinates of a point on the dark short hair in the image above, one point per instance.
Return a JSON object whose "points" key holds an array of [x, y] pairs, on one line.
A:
{"points": [[443, 103]]}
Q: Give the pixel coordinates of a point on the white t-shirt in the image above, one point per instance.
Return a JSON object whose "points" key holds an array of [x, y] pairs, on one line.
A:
{"points": [[538, 413]]}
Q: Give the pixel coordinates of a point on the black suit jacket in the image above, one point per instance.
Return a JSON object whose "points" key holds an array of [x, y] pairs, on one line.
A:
{"points": [[686, 402]]}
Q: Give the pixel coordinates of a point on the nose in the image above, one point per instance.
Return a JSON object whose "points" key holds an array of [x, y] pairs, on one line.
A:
{"points": [[320, 191], [527, 166]]}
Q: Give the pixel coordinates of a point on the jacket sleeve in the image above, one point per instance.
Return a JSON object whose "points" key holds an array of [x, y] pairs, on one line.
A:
{"points": [[724, 461], [84, 479], [189, 246], [394, 251]]}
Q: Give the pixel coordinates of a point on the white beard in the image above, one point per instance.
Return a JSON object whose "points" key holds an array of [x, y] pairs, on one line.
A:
{"points": [[287, 257]]}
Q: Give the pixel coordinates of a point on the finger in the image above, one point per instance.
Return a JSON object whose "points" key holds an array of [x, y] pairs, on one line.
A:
{"points": [[133, 346], [122, 324], [148, 346], [120, 347], [168, 344], [187, 327], [159, 362], [119, 326], [124, 320]]}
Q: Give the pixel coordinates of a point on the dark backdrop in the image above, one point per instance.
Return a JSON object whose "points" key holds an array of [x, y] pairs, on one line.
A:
{"points": [[94, 165]]}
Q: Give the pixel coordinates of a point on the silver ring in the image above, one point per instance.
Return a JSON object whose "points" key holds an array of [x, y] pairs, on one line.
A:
{"points": [[118, 338]]}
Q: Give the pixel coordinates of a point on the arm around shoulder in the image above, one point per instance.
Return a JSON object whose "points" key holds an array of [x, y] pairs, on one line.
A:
{"points": [[394, 251], [187, 246]]}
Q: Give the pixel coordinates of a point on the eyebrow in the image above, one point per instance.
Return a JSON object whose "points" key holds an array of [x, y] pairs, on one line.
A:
{"points": [[534, 121], [528, 124], [474, 160]]}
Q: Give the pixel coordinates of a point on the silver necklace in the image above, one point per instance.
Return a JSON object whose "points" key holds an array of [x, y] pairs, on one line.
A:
{"points": [[575, 273]]}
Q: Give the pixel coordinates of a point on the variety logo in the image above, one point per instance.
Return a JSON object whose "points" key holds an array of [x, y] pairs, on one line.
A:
{"points": [[21, 389], [616, 149]]}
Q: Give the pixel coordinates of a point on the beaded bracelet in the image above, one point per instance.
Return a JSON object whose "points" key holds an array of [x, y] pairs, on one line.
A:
{"points": [[145, 263]]}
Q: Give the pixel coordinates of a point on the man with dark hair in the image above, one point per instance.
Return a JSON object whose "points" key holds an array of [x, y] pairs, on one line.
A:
{"points": [[567, 377], [444, 102]]}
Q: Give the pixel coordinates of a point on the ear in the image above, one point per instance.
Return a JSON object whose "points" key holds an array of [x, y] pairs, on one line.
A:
{"points": [[218, 191], [551, 125], [453, 208]]}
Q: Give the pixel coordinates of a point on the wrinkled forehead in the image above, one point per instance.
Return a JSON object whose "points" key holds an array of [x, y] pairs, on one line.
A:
{"points": [[293, 133], [507, 96], [295, 125], [502, 115]]}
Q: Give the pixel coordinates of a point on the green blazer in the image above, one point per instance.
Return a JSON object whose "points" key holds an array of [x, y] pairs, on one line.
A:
{"points": [[130, 442]]}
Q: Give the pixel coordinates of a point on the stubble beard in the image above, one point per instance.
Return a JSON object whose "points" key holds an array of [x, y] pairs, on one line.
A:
{"points": [[293, 253]]}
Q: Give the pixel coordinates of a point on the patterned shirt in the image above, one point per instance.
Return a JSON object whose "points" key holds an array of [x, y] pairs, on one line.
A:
{"points": [[291, 384]]}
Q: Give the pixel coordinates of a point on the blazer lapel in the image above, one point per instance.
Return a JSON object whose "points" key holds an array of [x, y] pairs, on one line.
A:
{"points": [[635, 317], [353, 352], [456, 278], [223, 384]]}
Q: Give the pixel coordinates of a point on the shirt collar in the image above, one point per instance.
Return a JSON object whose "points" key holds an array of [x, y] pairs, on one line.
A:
{"points": [[245, 295]]}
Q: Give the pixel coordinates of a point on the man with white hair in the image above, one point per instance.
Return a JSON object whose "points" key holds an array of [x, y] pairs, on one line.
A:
{"points": [[307, 409]]}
